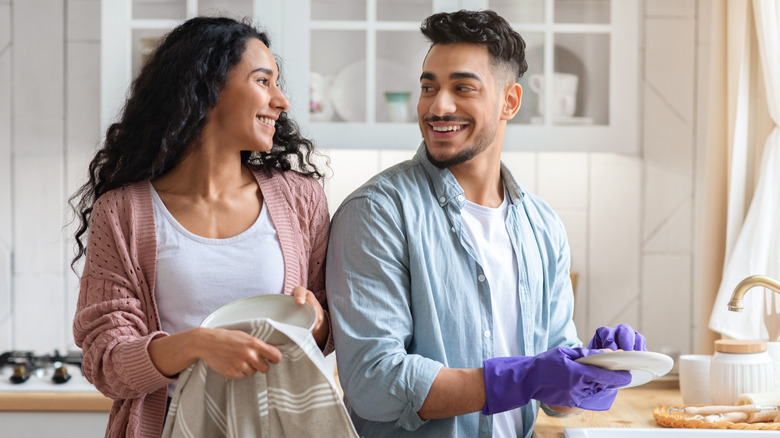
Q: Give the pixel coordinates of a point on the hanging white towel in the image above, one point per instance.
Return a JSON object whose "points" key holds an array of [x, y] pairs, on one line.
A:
{"points": [[757, 249], [756, 252], [297, 397]]}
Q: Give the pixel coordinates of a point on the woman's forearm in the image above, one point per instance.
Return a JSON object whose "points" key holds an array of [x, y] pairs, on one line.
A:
{"points": [[173, 354]]}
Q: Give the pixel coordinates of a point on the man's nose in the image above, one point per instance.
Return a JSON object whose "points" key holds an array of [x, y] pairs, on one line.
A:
{"points": [[443, 104]]}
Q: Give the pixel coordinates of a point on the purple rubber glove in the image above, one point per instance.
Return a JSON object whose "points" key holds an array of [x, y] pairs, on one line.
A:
{"points": [[620, 337], [552, 377]]}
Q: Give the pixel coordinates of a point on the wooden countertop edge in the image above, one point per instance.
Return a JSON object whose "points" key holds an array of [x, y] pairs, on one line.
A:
{"points": [[633, 408], [54, 401]]}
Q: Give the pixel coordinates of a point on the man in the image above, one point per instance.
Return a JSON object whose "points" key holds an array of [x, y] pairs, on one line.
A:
{"points": [[448, 284]]}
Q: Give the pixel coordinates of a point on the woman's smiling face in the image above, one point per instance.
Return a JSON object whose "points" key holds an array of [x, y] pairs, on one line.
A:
{"points": [[250, 102]]}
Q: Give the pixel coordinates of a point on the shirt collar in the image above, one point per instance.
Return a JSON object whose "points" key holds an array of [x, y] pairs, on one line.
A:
{"points": [[446, 187]]}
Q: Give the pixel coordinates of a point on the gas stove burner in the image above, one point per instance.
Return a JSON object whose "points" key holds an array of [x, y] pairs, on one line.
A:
{"points": [[20, 374], [26, 363], [60, 374]]}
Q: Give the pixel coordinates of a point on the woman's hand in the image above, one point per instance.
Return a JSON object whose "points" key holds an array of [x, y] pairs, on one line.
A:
{"points": [[236, 354], [321, 326], [232, 353]]}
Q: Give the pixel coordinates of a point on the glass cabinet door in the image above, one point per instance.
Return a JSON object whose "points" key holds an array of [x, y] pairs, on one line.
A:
{"points": [[571, 86], [580, 90], [351, 67], [362, 61]]}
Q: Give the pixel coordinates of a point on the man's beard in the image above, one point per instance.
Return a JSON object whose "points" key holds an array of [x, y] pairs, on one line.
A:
{"points": [[469, 152]]}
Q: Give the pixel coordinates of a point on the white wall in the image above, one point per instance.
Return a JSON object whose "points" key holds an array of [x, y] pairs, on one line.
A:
{"points": [[629, 218]]}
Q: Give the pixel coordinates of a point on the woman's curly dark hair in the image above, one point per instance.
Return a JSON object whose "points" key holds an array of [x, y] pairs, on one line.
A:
{"points": [[485, 28], [169, 105]]}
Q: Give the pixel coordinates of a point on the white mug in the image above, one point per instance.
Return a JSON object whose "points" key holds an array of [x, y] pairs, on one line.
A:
{"points": [[695, 379], [564, 92]]}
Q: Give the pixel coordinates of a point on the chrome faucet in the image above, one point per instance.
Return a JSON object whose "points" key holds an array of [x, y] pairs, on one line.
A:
{"points": [[735, 305]]}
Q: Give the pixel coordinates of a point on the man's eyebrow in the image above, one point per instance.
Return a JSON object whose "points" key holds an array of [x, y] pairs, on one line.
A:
{"points": [[464, 75], [453, 76]]}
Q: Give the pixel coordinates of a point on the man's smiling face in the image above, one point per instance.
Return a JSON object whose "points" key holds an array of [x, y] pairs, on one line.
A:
{"points": [[459, 104]]}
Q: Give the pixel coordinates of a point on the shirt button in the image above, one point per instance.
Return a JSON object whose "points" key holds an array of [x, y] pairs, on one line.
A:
{"points": [[460, 198], [481, 278], [486, 333], [442, 199], [453, 229]]}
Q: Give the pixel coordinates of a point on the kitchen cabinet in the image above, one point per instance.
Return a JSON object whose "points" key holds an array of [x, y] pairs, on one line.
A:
{"points": [[351, 67]]}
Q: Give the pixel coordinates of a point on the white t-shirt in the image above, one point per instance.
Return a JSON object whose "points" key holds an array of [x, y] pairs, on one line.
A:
{"points": [[486, 228], [197, 275]]}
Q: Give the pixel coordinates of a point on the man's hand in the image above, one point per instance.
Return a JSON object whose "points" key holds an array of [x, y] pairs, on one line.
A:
{"points": [[620, 337], [552, 377]]}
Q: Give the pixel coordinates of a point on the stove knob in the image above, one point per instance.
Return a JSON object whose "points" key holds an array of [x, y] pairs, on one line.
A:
{"points": [[20, 374], [61, 374]]}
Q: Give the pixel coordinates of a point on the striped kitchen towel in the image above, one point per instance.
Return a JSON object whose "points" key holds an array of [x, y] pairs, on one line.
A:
{"points": [[297, 397]]}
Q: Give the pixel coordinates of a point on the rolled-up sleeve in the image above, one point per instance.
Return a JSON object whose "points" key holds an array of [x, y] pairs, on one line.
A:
{"points": [[368, 288]]}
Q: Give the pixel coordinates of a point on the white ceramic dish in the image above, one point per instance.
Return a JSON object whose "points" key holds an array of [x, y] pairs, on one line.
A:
{"points": [[281, 308], [347, 92], [643, 365]]}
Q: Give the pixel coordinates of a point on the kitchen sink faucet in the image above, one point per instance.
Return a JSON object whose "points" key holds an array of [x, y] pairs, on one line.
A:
{"points": [[771, 317]]}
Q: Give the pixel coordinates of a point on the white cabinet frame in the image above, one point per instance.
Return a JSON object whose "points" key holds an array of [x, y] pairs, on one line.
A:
{"points": [[288, 23]]}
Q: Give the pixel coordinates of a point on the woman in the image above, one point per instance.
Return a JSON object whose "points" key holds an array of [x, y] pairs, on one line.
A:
{"points": [[192, 203]]}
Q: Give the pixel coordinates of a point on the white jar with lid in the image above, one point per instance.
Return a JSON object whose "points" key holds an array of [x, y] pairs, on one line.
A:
{"points": [[739, 367]]}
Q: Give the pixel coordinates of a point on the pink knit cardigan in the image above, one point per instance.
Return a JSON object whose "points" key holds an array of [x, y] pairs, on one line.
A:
{"points": [[117, 317]]}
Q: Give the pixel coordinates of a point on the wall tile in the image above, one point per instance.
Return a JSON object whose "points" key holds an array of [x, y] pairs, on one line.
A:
{"points": [[704, 25], [666, 302], [83, 97], [670, 61], [6, 334], [576, 224], [5, 26], [613, 236], [39, 322], [675, 234], [83, 20], [39, 210], [668, 154], [5, 283], [82, 116], [38, 72], [351, 168], [670, 8], [72, 295], [5, 147], [388, 158], [524, 167], [563, 179]]}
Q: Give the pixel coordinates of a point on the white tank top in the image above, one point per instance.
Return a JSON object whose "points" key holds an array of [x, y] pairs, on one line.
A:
{"points": [[486, 228], [197, 275]]}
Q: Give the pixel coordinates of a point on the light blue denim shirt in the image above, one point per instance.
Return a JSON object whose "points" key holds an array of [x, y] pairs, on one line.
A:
{"points": [[407, 295]]}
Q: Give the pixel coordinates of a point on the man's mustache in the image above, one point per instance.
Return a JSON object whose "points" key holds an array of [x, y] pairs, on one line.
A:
{"points": [[445, 119]]}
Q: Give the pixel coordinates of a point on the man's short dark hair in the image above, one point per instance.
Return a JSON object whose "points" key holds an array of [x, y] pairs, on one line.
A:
{"points": [[485, 28]]}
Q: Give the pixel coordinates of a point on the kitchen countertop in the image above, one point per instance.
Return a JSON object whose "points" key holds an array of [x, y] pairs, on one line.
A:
{"points": [[633, 408], [54, 401]]}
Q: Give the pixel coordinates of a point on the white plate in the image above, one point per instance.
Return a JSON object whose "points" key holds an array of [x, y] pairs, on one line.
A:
{"points": [[281, 308], [643, 365], [347, 92]]}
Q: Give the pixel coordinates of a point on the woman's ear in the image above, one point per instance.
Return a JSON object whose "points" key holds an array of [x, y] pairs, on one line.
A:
{"points": [[513, 96]]}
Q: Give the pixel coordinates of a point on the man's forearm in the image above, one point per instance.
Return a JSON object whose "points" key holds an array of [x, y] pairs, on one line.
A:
{"points": [[455, 391]]}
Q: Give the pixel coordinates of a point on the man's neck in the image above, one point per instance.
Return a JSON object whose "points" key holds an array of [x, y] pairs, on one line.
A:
{"points": [[480, 179]]}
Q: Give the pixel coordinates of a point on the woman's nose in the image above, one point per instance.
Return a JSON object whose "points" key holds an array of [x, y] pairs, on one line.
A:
{"points": [[279, 100]]}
